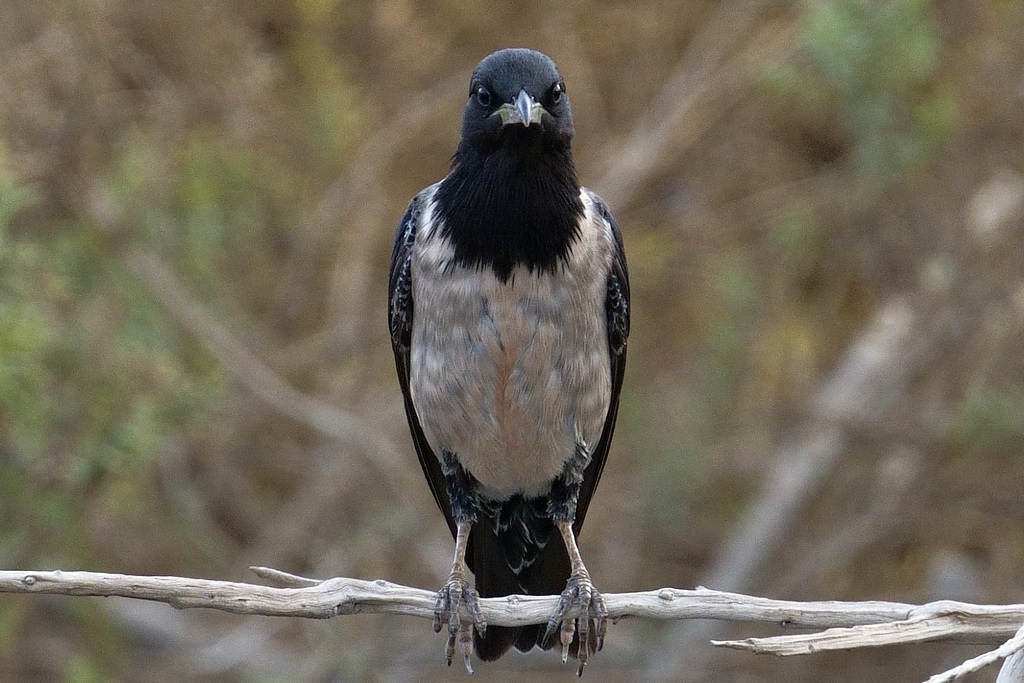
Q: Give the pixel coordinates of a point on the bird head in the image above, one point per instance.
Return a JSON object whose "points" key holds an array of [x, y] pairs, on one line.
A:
{"points": [[516, 96]]}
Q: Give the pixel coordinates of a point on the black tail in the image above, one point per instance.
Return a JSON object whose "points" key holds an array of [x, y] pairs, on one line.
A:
{"points": [[546, 575], [493, 578]]}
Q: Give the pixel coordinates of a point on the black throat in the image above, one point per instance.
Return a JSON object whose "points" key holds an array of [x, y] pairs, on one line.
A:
{"points": [[516, 205]]}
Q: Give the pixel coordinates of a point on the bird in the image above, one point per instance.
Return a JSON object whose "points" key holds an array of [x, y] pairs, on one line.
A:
{"points": [[509, 308]]}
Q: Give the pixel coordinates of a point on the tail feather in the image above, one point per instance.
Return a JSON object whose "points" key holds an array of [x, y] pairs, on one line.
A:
{"points": [[493, 578], [546, 576]]}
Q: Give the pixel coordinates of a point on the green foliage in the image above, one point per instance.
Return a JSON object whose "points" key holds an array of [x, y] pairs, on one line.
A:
{"points": [[224, 219], [83, 669], [95, 378], [228, 219], [989, 420], [92, 378], [708, 407], [874, 62]]}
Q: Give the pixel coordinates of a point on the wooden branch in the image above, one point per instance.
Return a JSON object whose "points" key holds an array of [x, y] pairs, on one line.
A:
{"points": [[1010, 648], [310, 598], [1012, 670], [849, 624], [313, 599], [942, 620]]}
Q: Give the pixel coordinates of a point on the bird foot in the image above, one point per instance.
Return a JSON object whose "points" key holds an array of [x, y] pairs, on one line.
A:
{"points": [[580, 608], [455, 597]]}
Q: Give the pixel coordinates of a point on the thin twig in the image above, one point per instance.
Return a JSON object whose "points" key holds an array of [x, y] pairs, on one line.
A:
{"points": [[1012, 670], [1011, 647], [942, 620], [284, 578], [247, 368]]}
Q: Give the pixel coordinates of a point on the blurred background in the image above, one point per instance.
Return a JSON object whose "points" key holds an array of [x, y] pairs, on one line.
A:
{"points": [[823, 207]]}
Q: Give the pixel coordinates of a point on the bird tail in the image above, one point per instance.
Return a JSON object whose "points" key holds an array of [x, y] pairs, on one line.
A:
{"points": [[493, 579], [546, 575]]}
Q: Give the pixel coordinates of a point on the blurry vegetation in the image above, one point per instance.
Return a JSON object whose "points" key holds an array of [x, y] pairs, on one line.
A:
{"points": [[92, 379], [864, 88], [220, 213], [706, 406], [989, 421], [240, 144], [874, 64]]}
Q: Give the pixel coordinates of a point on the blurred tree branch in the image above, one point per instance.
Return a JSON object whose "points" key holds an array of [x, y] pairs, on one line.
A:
{"points": [[850, 624], [708, 81], [245, 366]]}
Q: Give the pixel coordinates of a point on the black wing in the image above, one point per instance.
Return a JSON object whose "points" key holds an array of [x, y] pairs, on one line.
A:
{"points": [[617, 312], [400, 315]]}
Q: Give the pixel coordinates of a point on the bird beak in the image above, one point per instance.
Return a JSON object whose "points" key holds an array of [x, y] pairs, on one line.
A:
{"points": [[523, 109]]}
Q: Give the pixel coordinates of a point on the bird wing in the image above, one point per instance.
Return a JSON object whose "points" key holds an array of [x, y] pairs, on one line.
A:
{"points": [[400, 313], [617, 316]]}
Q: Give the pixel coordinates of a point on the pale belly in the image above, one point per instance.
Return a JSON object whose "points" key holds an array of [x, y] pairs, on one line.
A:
{"points": [[510, 377]]}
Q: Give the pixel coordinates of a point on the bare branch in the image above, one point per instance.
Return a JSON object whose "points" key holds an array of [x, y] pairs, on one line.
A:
{"points": [[1012, 647], [849, 624], [1012, 670], [942, 620], [314, 599]]}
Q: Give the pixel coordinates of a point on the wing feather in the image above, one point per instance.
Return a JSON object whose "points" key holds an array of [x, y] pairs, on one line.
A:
{"points": [[617, 309], [400, 320]]}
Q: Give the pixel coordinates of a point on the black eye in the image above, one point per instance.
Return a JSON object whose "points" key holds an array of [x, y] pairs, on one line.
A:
{"points": [[483, 96], [556, 93]]}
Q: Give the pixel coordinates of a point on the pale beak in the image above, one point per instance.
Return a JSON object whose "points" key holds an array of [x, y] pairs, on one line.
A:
{"points": [[523, 109]]}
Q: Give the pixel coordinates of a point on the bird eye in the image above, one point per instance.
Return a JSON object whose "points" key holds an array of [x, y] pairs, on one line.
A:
{"points": [[483, 96], [556, 93]]}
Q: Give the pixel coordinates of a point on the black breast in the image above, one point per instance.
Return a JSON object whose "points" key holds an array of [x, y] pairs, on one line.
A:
{"points": [[510, 208]]}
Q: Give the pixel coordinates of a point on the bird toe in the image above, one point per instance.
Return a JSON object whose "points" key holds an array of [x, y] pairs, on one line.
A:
{"points": [[457, 606], [580, 620]]}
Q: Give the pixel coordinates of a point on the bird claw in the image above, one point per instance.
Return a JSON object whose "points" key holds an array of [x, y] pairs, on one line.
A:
{"points": [[455, 597], [580, 608]]}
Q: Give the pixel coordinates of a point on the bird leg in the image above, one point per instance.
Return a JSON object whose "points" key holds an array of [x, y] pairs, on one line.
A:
{"points": [[456, 594], [452, 598], [580, 604]]}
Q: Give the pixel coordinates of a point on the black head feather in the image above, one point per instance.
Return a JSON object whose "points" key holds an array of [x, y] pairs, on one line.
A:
{"points": [[497, 80], [513, 197]]}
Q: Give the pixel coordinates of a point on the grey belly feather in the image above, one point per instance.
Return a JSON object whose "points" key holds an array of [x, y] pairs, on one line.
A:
{"points": [[510, 376]]}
